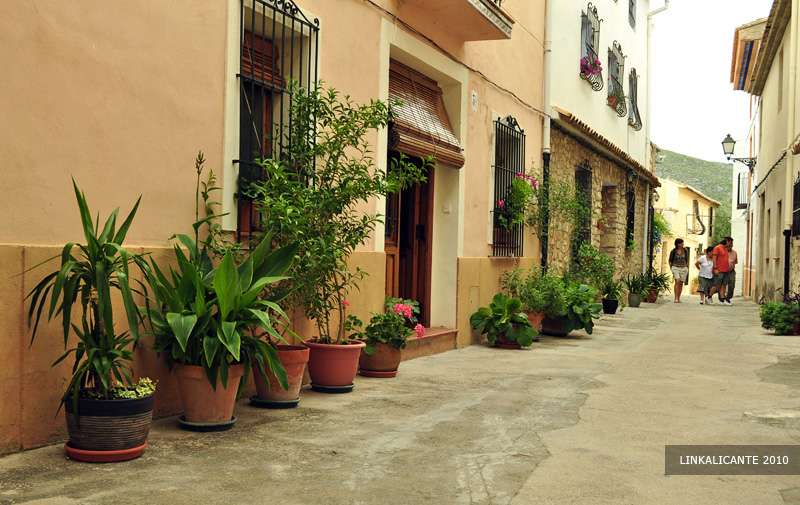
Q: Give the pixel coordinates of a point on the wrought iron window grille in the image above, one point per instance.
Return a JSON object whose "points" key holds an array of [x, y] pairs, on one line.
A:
{"points": [[741, 193], [583, 191], [509, 161], [796, 207], [616, 68], [634, 119], [630, 218], [590, 43], [278, 45], [632, 13]]}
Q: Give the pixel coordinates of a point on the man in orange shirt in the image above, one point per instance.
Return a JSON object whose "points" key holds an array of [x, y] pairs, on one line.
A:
{"points": [[721, 271]]}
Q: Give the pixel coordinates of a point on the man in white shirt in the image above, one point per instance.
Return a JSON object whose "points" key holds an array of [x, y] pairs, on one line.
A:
{"points": [[705, 265]]}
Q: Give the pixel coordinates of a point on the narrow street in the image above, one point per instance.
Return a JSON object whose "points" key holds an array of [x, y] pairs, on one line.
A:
{"points": [[577, 420]]}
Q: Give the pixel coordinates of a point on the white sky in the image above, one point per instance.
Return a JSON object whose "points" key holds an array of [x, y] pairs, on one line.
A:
{"points": [[693, 102]]}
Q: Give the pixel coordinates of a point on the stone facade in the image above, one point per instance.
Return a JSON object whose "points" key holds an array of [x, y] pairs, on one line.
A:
{"points": [[608, 201]]}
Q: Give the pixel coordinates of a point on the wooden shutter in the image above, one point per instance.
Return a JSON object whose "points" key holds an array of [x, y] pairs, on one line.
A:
{"points": [[259, 60], [421, 126]]}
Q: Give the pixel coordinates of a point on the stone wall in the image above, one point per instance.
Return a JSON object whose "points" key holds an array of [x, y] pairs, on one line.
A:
{"points": [[608, 200]]}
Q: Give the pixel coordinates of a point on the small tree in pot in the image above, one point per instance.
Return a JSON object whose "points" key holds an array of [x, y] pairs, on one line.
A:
{"points": [[101, 384]]}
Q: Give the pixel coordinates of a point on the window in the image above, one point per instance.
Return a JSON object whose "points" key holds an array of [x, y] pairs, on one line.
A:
{"points": [[583, 191], [630, 222], [634, 119], [632, 13], [590, 44], [278, 45], [741, 193], [796, 207], [616, 67], [509, 161]]}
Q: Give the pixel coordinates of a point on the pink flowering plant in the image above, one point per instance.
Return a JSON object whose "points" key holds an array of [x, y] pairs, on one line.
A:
{"points": [[394, 326], [590, 66], [511, 210]]}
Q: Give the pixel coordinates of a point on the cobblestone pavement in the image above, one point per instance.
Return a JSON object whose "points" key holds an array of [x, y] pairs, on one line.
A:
{"points": [[582, 419]]}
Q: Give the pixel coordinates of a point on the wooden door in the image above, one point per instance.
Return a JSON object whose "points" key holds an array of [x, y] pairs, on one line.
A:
{"points": [[409, 232]]}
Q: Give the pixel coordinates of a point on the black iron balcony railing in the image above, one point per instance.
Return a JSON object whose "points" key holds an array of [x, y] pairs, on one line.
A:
{"points": [[741, 194], [616, 97], [590, 40]]}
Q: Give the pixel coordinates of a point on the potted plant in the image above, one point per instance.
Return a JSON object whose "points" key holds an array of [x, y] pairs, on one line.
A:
{"points": [[590, 66], [385, 336], [522, 284], [780, 316], [612, 296], [592, 266], [326, 145], [601, 223], [503, 324], [108, 416], [636, 285], [656, 284], [202, 317], [511, 210]]}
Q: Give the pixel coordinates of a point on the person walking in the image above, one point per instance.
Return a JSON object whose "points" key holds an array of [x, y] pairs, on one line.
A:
{"points": [[721, 276], [705, 265], [679, 264], [733, 259]]}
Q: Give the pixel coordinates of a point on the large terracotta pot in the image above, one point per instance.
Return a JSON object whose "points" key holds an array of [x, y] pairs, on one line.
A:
{"points": [[333, 367], [294, 359], [383, 363], [203, 405], [535, 318], [652, 295]]}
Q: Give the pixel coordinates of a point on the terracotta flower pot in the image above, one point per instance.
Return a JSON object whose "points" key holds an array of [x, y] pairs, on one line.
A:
{"points": [[294, 359], [201, 404], [535, 318], [652, 296], [383, 363], [334, 366]]}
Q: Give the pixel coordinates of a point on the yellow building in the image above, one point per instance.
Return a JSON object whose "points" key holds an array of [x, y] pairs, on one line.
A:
{"points": [[690, 215]]}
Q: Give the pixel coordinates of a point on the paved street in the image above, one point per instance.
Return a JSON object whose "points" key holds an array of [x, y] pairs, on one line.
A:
{"points": [[577, 420]]}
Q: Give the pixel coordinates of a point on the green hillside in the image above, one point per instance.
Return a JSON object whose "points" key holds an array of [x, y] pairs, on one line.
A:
{"points": [[709, 177]]}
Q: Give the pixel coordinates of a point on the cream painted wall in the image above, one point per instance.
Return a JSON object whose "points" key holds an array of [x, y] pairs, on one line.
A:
{"points": [[575, 95], [92, 90]]}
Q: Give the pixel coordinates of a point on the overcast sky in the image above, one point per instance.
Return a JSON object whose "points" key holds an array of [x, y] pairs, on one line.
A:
{"points": [[693, 102]]}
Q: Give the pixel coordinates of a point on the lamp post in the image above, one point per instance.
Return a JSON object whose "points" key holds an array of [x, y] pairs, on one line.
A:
{"points": [[727, 148]]}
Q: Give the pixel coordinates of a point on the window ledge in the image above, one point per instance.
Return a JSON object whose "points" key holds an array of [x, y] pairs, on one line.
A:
{"points": [[467, 19]]}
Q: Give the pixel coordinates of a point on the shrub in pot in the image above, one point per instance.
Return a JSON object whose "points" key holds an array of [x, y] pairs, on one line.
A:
{"points": [[385, 336], [656, 284], [326, 145], [202, 318], [592, 266], [108, 417], [503, 324], [612, 296], [522, 284], [636, 285], [781, 317]]}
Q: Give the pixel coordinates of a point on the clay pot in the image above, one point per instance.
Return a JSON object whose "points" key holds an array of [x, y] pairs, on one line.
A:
{"points": [[294, 359], [535, 318], [503, 343], [383, 363], [652, 296], [334, 365], [201, 404]]}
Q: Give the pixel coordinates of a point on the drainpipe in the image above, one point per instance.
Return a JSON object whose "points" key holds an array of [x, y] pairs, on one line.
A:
{"points": [[548, 53], [647, 236], [649, 66]]}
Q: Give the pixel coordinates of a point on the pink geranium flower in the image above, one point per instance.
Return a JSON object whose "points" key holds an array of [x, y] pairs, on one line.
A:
{"points": [[420, 330]]}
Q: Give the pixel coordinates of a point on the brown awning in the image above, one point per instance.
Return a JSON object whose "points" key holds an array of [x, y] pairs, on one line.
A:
{"points": [[421, 126]]}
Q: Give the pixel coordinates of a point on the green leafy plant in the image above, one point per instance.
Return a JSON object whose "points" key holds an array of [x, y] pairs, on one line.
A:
{"points": [[313, 197], [502, 317], [512, 209], [591, 266], [636, 283], [611, 290], [524, 284], [659, 282], [779, 316], [552, 292], [204, 315], [582, 309], [390, 327], [140, 389], [84, 284], [661, 230]]}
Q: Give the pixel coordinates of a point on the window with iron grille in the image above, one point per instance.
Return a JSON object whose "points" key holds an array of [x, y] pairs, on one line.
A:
{"points": [[279, 45], [616, 68], [632, 13], [583, 192], [741, 193], [590, 45], [509, 161], [634, 119], [796, 207], [630, 222]]}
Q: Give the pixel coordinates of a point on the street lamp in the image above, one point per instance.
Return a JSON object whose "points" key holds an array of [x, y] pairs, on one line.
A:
{"points": [[727, 148], [656, 196]]}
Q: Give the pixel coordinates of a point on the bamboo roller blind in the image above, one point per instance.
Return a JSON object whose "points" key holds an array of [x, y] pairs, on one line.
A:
{"points": [[257, 60], [421, 126]]}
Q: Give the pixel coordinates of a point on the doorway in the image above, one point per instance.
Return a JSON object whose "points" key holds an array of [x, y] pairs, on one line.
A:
{"points": [[407, 244]]}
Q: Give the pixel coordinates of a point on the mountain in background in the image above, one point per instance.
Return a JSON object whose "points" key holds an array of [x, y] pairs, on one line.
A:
{"points": [[711, 178]]}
